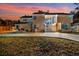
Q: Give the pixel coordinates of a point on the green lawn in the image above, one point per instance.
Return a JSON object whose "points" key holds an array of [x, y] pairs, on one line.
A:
{"points": [[38, 46]]}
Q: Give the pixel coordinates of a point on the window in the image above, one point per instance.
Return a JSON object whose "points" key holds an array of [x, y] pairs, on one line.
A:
{"points": [[65, 26], [24, 19], [34, 17], [53, 19]]}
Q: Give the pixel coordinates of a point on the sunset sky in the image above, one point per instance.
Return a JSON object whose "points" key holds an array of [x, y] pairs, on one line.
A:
{"points": [[14, 11]]}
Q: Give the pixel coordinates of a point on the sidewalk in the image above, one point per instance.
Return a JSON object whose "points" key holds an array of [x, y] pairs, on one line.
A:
{"points": [[55, 34]]}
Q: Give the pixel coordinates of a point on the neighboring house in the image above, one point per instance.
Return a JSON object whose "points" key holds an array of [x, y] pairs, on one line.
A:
{"points": [[24, 24]]}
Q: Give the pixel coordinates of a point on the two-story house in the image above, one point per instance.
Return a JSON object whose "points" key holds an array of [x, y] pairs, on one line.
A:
{"points": [[47, 22]]}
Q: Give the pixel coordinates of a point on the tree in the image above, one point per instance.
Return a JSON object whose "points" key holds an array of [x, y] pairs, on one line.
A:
{"points": [[1, 21], [76, 13]]}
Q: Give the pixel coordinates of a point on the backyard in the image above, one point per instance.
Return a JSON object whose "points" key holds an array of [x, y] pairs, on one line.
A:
{"points": [[38, 46]]}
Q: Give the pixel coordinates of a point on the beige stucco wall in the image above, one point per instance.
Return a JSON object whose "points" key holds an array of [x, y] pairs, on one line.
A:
{"points": [[39, 21], [52, 27], [58, 20], [55, 27], [77, 28], [64, 18], [52, 17]]}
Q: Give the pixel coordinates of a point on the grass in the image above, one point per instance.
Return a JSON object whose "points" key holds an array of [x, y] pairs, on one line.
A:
{"points": [[38, 46]]}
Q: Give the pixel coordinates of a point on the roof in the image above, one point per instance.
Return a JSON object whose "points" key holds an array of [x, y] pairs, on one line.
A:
{"points": [[58, 14], [39, 12], [26, 16], [47, 13]]}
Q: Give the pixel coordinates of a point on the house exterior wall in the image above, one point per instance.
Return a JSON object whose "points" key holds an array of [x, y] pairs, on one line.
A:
{"points": [[25, 19], [55, 27], [24, 27], [77, 28], [51, 20], [65, 21], [51, 17], [24, 24], [39, 22], [58, 26], [65, 18], [58, 21]]}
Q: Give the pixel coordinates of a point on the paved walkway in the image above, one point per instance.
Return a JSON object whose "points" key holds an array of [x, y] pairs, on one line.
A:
{"points": [[55, 34]]}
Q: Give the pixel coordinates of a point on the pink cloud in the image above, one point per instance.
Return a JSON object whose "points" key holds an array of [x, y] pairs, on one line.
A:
{"points": [[31, 9], [9, 16]]}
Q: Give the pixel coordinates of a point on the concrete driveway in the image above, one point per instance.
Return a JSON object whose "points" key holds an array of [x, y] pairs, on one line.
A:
{"points": [[49, 34]]}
